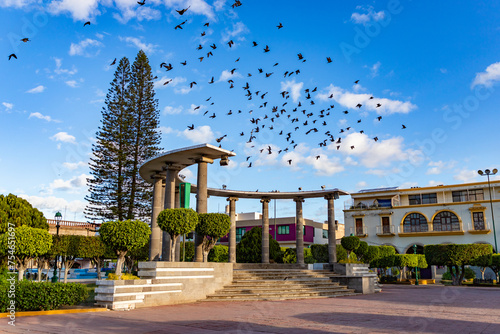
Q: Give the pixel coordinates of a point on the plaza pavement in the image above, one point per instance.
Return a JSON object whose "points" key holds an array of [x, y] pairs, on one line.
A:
{"points": [[397, 309]]}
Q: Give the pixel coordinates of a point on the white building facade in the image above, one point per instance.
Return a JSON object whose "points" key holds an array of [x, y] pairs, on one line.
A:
{"points": [[458, 214]]}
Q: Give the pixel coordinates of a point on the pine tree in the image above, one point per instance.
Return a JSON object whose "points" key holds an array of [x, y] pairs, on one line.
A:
{"points": [[127, 137], [145, 135]]}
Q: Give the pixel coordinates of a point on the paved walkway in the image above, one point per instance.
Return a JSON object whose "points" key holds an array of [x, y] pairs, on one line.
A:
{"points": [[398, 309]]}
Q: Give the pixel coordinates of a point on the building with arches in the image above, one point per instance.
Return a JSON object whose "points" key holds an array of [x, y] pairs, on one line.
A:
{"points": [[459, 214]]}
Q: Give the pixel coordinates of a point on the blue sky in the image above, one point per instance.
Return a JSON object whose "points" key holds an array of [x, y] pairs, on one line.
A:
{"points": [[433, 67]]}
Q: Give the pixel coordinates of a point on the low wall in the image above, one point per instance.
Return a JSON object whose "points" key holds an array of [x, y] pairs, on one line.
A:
{"points": [[165, 283]]}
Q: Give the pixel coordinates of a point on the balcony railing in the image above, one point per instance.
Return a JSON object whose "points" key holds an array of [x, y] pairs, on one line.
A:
{"points": [[483, 227], [385, 230], [358, 231], [460, 230]]}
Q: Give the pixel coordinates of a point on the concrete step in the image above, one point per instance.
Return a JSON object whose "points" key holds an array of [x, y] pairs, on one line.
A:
{"points": [[236, 291], [281, 296]]}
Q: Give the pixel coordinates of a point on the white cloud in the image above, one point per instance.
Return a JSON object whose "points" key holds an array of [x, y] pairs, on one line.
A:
{"points": [[16, 3], [374, 69], [368, 15], [225, 75], [64, 137], [49, 205], [195, 109], [8, 105], [294, 89], [303, 155], [466, 176], [37, 89], [165, 130], [74, 165], [159, 83], [489, 77], [60, 70], [169, 110], [40, 116], [350, 100], [361, 185], [235, 32], [87, 48], [72, 83], [73, 185], [201, 134], [129, 10], [138, 43], [219, 4], [373, 154], [79, 10], [433, 183]]}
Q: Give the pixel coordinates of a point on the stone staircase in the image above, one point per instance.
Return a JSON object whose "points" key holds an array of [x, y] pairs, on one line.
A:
{"points": [[280, 284]]}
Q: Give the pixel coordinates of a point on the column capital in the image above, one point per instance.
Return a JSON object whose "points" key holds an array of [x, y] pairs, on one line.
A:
{"points": [[204, 159], [229, 199], [169, 166], [265, 200], [329, 196], [157, 175], [298, 199]]}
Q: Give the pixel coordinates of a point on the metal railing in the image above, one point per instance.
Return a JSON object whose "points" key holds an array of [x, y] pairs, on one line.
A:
{"points": [[357, 231], [484, 226], [72, 224], [386, 229]]}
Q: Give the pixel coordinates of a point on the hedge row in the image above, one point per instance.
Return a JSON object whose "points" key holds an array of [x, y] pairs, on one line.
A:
{"points": [[41, 296]]}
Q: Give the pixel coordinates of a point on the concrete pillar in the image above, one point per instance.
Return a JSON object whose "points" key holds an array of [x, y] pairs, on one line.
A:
{"points": [[299, 230], [232, 230], [265, 229], [169, 203], [178, 243], [201, 203], [332, 228], [156, 232]]}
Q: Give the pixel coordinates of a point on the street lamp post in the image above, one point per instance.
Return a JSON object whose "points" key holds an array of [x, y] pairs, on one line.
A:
{"points": [[487, 172], [58, 218], [416, 268]]}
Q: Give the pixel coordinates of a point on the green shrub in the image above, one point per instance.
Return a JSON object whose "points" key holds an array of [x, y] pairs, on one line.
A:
{"points": [[124, 276], [219, 253], [361, 250], [468, 274], [290, 256], [350, 243], [41, 296], [371, 254], [249, 249], [189, 246], [341, 253], [308, 258], [320, 253]]}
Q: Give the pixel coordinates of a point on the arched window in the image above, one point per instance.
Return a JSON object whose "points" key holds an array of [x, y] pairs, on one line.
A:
{"points": [[415, 222], [446, 221]]}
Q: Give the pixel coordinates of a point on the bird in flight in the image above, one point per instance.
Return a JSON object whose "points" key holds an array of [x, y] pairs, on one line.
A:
{"points": [[328, 60], [12, 55], [266, 49], [114, 62], [356, 82], [279, 26], [192, 84], [379, 118], [404, 127], [211, 81], [86, 23], [142, 3], [191, 127], [289, 161], [167, 82], [182, 11], [25, 40]]}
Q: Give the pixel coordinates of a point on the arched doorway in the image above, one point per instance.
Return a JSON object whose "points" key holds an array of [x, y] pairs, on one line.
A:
{"points": [[425, 273]]}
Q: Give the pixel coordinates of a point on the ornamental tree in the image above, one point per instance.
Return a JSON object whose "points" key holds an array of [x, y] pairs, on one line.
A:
{"points": [[401, 261], [17, 211], [495, 265], [455, 257], [93, 248], [68, 248], [482, 262], [361, 250], [23, 244], [249, 249], [177, 222], [124, 236], [211, 227], [350, 243]]}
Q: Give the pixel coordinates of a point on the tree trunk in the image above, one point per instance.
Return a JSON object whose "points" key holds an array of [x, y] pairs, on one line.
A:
{"points": [[483, 269], [119, 263], [68, 264], [173, 241], [98, 268]]}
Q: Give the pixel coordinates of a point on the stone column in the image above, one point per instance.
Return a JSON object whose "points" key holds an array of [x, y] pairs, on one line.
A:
{"points": [[299, 230], [169, 204], [177, 202], [232, 230], [265, 229], [201, 203], [332, 229], [156, 232]]}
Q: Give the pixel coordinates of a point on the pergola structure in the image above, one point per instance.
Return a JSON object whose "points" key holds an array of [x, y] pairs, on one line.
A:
{"points": [[163, 172]]}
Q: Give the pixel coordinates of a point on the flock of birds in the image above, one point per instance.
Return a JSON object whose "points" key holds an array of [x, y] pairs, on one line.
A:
{"points": [[296, 117]]}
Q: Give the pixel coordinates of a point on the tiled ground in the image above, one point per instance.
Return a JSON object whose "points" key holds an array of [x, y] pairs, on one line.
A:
{"points": [[398, 309]]}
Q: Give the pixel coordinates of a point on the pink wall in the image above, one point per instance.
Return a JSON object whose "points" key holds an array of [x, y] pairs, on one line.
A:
{"points": [[308, 237]]}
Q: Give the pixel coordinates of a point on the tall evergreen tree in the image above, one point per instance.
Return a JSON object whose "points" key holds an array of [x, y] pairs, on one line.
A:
{"points": [[127, 137], [145, 135]]}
